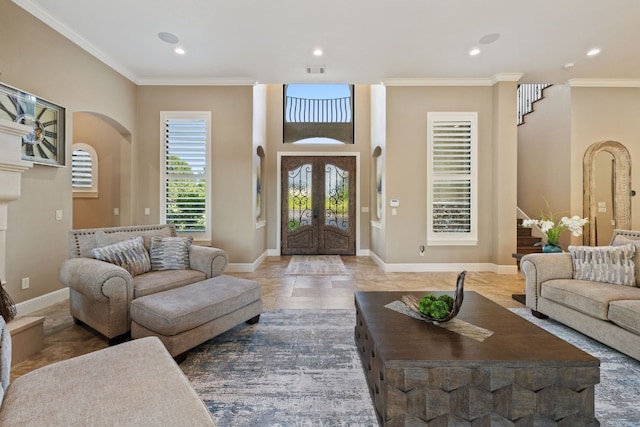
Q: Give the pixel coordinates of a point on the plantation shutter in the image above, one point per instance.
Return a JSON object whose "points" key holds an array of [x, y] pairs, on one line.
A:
{"points": [[81, 170], [452, 179], [185, 166]]}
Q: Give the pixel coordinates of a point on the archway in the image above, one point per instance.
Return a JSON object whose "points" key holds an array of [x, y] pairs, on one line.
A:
{"points": [[111, 205]]}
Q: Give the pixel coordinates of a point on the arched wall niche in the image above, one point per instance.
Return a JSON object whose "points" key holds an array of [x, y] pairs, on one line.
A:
{"points": [[621, 185]]}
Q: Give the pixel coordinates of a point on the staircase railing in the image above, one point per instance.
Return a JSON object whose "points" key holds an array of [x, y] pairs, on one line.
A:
{"points": [[528, 93]]}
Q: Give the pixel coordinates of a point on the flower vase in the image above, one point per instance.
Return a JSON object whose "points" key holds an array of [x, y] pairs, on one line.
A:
{"points": [[550, 249]]}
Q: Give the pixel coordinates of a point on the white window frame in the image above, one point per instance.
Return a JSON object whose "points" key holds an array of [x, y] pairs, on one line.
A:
{"points": [[205, 236], [86, 192], [434, 177]]}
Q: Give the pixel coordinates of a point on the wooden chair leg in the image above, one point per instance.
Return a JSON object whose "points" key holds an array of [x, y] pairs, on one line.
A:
{"points": [[538, 314], [254, 320], [180, 358]]}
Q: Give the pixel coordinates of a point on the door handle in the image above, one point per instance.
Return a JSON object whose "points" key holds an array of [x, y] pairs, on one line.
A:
{"points": [[315, 212]]}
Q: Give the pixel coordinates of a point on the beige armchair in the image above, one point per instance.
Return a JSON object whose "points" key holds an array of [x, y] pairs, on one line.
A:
{"points": [[101, 292]]}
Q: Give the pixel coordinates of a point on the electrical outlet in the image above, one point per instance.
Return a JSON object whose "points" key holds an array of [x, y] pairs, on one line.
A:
{"points": [[25, 283], [116, 211], [421, 250], [147, 211]]}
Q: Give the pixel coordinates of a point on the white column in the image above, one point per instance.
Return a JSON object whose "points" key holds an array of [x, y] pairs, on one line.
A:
{"points": [[11, 168]]}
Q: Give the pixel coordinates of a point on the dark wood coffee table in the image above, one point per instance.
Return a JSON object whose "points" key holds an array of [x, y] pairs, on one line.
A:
{"points": [[420, 373]]}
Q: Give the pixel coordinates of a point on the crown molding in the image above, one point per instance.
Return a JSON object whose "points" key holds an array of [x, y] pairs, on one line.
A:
{"points": [[52, 22], [223, 81], [507, 77], [604, 83], [452, 81], [428, 81]]}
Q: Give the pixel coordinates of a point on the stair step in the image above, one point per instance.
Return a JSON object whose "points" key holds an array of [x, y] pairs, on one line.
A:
{"points": [[529, 249], [524, 231], [528, 240]]}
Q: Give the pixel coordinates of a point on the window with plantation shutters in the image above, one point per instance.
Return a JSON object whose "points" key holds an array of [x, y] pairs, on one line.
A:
{"points": [[452, 179], [184, 172], [84, 171]]}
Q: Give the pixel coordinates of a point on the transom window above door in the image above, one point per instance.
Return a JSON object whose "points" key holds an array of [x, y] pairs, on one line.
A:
{"points": [[318, 114]]}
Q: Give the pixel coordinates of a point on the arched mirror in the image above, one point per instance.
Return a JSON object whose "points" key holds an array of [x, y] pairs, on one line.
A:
{"points": [[607, 191]]}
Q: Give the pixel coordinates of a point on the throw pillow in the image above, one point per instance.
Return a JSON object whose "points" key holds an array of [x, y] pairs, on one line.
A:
{"points": [[104, 239], [170, 253], [624, 240], [609, 264], [130, 255]]}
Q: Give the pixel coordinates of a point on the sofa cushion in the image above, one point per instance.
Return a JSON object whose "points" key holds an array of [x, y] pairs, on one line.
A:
{"points": [[129, 254], [620, 240], [609, 264], [159, 281], [182, 309], [170, 253], [135, 383], [592, 298], [626, 313], [103, 238]]}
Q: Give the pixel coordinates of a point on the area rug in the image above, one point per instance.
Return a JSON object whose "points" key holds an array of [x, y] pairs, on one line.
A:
{"points": [[616, 402], [293, 368], [316, 264], [301, 368]]}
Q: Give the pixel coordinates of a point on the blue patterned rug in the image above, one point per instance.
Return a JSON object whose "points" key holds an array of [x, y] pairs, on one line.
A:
{"points": [[293, 368], [301, 368], [618, 394]]}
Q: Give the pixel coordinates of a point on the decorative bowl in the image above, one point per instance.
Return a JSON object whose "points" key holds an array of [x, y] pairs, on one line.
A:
{"points": [[412, 302]]}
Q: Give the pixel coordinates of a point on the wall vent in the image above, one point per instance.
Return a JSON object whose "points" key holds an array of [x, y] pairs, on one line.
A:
{"points": [[315, 69]]}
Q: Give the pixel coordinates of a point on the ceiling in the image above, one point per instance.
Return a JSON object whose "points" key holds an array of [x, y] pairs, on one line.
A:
{"points": [[363, 41]]}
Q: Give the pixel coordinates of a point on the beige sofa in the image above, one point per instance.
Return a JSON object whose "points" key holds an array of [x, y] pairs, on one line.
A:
{"points": [[101, 292], [132, 384], [607, 312]]}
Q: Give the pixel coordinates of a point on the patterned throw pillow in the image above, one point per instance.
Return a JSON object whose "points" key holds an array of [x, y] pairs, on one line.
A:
{"points": [[129, 254], [609, 264], [623, 240], [170, 253]]}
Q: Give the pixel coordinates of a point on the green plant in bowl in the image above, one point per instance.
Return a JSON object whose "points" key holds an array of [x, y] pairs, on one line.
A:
{"points": [[436, 307]]}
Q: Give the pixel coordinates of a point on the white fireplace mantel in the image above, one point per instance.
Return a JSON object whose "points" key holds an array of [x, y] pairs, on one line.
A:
{"points": [[11, 168]]}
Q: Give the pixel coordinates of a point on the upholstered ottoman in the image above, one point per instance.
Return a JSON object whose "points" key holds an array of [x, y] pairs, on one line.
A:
{"points": [[188, 316]]}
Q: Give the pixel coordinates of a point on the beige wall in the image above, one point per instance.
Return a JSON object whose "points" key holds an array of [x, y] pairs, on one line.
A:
{"points": [[406, 179], [51, 67], [604, 114], [232, 220], [544, 157], [112, 149], [552, 143], [378, 139], [505, 171]]}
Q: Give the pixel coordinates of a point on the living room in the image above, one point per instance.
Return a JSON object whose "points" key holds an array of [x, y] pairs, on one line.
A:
{"points": [[518, 166]]}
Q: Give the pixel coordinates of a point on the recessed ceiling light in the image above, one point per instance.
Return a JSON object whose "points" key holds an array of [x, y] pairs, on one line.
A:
{"points": [[593, 51], [475, 51], [168, 37], [317, 52], [179, 51], [568, 65]]}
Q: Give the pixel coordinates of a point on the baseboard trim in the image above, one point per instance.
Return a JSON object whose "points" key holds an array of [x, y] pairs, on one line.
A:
{"points": [[43, 301], [442, 267], [237, 267]]}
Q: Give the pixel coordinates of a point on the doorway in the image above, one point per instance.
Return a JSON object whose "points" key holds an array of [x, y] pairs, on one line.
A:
{"points": [[318, 205]]}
